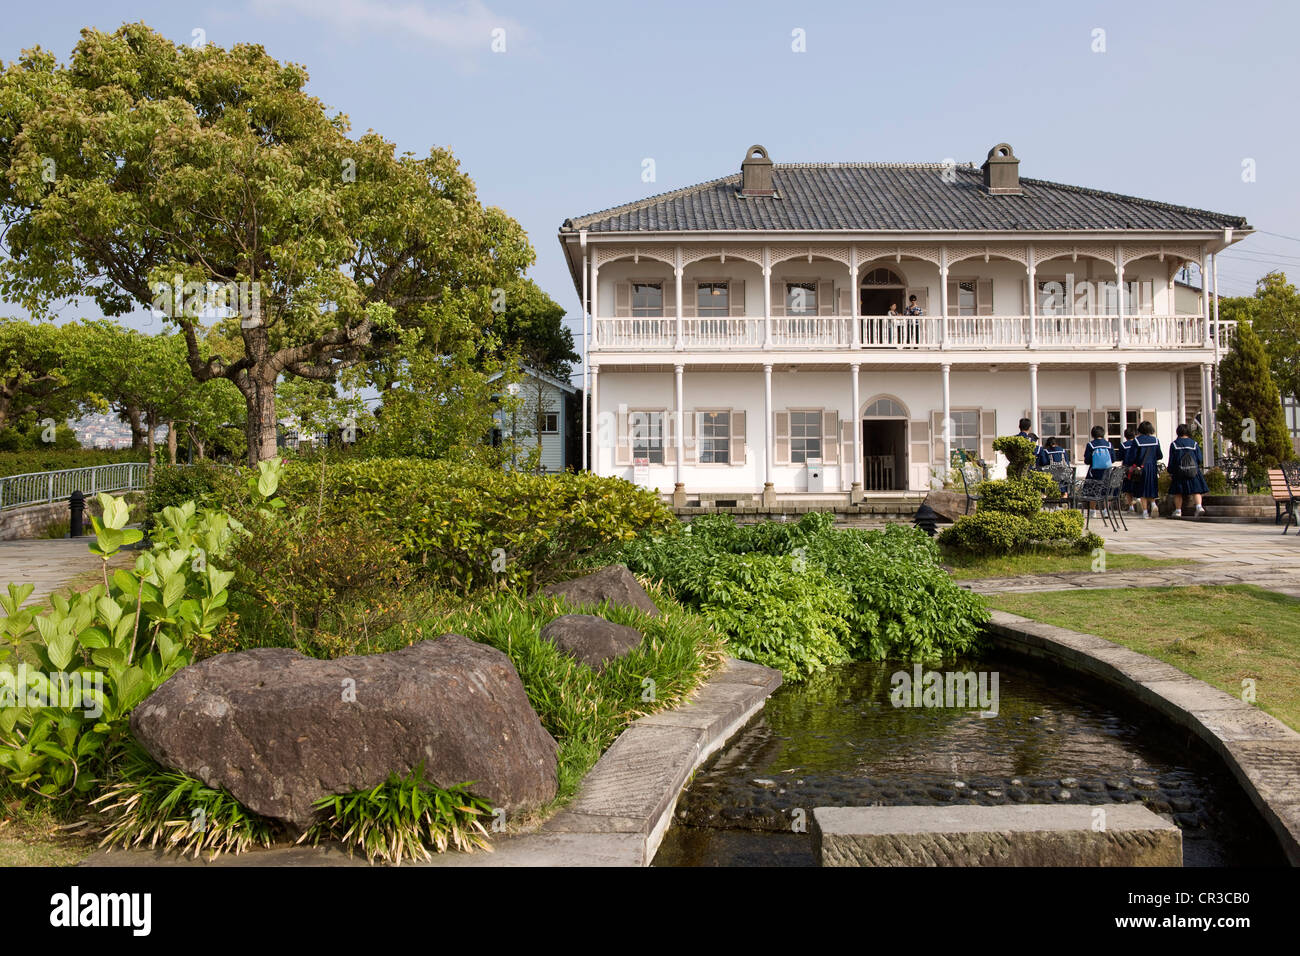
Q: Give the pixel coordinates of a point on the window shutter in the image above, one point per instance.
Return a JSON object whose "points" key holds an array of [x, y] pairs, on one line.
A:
{"points": [[622, 299], [988, 432], [623, 450], [825, 297], [1082, 427], [736, 298], [690, 299], [846, 449], [670, 297], [690, 454], [737, 438], [778, 297], [919, 442], [954, 307], [984, 297], [845, 303], [1147, 415], [922, 298], [781, 440], [670, 438], [936, 438], [830, 437]]}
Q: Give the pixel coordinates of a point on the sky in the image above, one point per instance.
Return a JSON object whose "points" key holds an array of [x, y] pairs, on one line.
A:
{"points": [[553, 108]]}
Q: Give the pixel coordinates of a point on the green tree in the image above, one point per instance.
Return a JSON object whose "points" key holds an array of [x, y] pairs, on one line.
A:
{"points": [[41, 372], [531, 324], [1250, 407], [206, 183], [1274, 312]]}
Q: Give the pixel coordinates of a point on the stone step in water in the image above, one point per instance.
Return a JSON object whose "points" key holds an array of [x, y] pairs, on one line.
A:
{"points": [[1025, 835]]}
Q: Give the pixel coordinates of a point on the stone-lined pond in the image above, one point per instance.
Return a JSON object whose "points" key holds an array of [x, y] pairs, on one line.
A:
{"points": [[838, 740]]}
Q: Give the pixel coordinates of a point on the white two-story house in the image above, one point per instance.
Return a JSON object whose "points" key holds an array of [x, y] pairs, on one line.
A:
{"points": [[741, 336]]}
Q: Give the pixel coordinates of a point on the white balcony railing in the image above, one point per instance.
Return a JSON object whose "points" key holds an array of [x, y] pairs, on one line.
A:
{"points": [[996, 332]]}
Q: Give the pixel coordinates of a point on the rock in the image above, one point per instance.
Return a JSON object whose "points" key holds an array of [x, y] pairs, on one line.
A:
{"points": [[1144, 783], [615, 584], [592, 640], [948, 505], [279, 730]]}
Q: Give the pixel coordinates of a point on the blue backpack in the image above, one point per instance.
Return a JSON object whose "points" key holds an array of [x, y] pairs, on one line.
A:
{"points": [[1101, 457]]}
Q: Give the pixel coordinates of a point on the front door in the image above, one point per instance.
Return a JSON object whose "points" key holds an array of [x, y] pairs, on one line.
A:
{"points": [[884, 454]]}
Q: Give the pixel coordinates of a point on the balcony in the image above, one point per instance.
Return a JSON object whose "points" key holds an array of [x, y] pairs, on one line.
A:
{"points": [[989, 332]]}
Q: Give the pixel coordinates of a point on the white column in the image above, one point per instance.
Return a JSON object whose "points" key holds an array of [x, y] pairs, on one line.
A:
{"points": [[1205, 292], [1033, 398], [943, 300], [1119, 296], [679, 426], [947, 421], [767, 297], [1214, 369], [1033, 307], [593, 423], [677, 270], [854, 296], [769, 426], [595, 418], [1207, 417], [586, 363], [1182, 397], [855, 490], [1123, 397]]}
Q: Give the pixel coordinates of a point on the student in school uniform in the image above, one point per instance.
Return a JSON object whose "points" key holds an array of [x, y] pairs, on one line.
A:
{"points": [[1145, 451], [1052, 454], [1126, 486], [1187, 482], [1097, 454]]}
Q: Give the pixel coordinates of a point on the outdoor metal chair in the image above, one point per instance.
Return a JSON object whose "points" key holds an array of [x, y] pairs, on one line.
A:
{"points": [[1286, 491], [1234, 470], [1064, 475], [1097, 492], [970, 479], [1115, 495]]}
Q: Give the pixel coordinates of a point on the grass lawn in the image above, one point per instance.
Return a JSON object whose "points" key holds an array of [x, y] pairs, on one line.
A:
{"points": [[1220, 635], [966, 567], [30, 838]]}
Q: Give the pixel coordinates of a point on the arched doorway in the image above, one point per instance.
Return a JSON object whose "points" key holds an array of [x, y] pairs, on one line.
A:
{"points": [[879, 289], [884, 444]]}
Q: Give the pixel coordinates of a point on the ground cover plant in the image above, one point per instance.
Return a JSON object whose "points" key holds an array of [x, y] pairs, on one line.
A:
{"points": [[1221, 635], [801, 596]]}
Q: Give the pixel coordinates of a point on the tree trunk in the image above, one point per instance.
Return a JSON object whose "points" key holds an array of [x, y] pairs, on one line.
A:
{"points": [[171, 442], [152, 426], [261, 428], [137, 433]]}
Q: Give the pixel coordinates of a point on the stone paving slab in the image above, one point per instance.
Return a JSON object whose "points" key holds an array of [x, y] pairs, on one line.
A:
{"points": [[1261, 752], [1012, 835], [51, 564]]}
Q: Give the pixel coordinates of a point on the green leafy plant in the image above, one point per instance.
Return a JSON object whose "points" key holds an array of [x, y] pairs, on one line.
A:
{"points": [[402, 818], [987, 532], [1019, 452], [1019, 496]]}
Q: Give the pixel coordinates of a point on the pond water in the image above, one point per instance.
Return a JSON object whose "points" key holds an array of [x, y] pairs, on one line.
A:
{"points": [[1056, 737]]}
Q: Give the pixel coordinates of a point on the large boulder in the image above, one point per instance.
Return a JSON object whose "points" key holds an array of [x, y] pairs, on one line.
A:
{"points": [[279, 730], [592, 640], [614, 583], [948, 505]]}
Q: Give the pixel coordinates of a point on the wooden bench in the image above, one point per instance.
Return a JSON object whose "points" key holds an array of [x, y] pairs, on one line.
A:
{"points": [[1285, 495]]}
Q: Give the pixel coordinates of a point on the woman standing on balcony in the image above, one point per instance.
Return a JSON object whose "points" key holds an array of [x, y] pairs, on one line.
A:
{"points": [[1145, 452]]}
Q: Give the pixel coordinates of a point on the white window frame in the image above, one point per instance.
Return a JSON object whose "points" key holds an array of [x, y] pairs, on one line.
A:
{"points": [[634, 422], [700, 438], [802, 456]]}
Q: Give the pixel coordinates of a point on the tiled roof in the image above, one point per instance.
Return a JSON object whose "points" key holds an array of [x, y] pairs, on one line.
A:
{"points": [[902, 196]]}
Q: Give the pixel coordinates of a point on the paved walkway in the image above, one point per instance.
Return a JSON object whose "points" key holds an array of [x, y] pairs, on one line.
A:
{"points": [[1224, 554], [51, 563]]}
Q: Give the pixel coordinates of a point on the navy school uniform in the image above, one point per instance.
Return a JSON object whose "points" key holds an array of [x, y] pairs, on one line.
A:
{"points": [[1145, 451], [1053, 456], [1186, 486], [1090, 452], [1126, 486]]}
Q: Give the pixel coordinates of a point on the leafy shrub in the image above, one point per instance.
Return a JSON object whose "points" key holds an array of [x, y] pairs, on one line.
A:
{"points": [[1051, 526], [987, 532], [402, 818], [45, 458], [1217, 482], [802, 596], [1018, 496], [469, 526], [100, 652], [1020, 453], [173, 485]]}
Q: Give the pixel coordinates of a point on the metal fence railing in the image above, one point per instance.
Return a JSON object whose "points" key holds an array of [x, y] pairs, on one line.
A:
{"points": [[44, 487]]}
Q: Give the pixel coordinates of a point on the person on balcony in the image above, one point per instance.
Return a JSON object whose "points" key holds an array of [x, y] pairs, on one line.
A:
{"points": [[893, 310], [1097, 454], [913, 325], [1140, 467], [1187, 482]]}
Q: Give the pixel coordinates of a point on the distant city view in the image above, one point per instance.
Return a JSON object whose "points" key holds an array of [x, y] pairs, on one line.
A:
{"points": [[105, 430]]}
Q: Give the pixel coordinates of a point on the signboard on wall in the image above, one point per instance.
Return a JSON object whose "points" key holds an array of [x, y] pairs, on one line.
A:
{"points": [[641, 471]]}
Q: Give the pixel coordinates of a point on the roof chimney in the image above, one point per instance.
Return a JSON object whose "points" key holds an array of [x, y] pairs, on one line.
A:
{"points": [[756, 173], [1002, 171]]}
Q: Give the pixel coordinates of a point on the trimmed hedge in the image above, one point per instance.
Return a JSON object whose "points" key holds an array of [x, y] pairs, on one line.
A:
{"points": [[469, 525], [57, 459]]}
